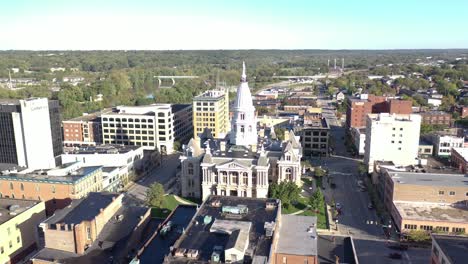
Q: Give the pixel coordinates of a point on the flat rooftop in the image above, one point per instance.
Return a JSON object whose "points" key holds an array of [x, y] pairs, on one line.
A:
{"points": [[87, 117], [19, 206], [211, 95], [429, 179], [432, 212], [298, 235], [111, 244], [39, 176], [203, 237], [178, 107], [102, 149], [84, 209], [454, 247]]}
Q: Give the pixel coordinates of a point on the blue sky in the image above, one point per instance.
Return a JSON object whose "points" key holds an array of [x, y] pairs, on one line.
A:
{"points": [[240, 24]]}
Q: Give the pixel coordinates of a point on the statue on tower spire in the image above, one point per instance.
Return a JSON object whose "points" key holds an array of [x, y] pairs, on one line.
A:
{"points": [[244, 76]]}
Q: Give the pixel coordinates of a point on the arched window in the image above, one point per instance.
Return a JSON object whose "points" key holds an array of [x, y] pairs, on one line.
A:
{"points": [[242, 129], [11, 186], [288, 174], [22, 186]]}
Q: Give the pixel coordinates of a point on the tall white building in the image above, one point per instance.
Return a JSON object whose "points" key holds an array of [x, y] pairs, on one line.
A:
{"points": [[150, 126], [28, 132], [392, 137], [235, 166]]}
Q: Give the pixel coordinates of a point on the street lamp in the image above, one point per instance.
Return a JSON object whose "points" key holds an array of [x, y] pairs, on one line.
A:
{"points": [[336, 224]]}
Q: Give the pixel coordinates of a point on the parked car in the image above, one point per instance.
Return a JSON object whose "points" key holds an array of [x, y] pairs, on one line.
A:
{"points": [[338, 206]]}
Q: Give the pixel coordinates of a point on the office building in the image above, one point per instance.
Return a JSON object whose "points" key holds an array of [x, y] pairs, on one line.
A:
{"points": [[183, 122], [30, 133], [211, 110], [358, 135], [392, 137], [449, 249], [56, 187], [235, 166], [151, 127], [426, 201], [358, 108], [93, 230], [18, 228], [82, 131]]}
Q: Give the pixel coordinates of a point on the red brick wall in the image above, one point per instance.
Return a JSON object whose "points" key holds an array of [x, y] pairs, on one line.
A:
{"points": [[74, 133]]}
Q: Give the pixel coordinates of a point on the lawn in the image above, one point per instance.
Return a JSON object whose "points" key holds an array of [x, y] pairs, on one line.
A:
{"points": [[302, 205], [169, 204]]}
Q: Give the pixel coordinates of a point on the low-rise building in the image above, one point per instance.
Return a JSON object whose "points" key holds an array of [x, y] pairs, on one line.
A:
{"points": [[183, 122], [436, 118], [443, 144], [105, 155], [296, 240], [425, 148], [449, 249], [229, 230], [150, 126], [459, 159], [426, 201], [82, 131], [93, 230], [56, 187], [462, 110], [18, 228]]}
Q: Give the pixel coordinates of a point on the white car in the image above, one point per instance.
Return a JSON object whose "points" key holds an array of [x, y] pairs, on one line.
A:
{"points": [[338, 206]]}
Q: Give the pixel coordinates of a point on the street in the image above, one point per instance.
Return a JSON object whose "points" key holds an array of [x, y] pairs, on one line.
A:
{"points": [[356, 219], [164, 174]]}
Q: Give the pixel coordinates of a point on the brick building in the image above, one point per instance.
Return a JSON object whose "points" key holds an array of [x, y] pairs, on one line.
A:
{"points": [[296, 241], [83, 130], [358, 108], [436, 118], [426, 201], [93, 229], [314, 135], [459, 159], [56, 187]]}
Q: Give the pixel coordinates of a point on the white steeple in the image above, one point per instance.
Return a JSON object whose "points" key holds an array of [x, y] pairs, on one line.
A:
{"points": [[244, 121]]}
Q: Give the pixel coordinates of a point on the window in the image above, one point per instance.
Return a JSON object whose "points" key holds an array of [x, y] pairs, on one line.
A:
{"points": [[399, 148], [18, 239], [245, 178], [407, 226], [11, 186], [452, 193], [393, 141], [10, 244], [288, 174], [190, 169], [53, 188], [8, 231], [22, 186], [401, 129], [441, 192], [242, 129], [284, 260], [242, 116], [393, 128], [2, 250], [442, 228], [458, 230], [88, 232], [425, 227]]}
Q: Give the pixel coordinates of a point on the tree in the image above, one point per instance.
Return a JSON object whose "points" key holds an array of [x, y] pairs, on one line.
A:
{"points": [[362, 170], [418, 235], [176, 145], [319, 172], [317, 199], [279, 131], [447, 103], [288, 192], [155, 195]]}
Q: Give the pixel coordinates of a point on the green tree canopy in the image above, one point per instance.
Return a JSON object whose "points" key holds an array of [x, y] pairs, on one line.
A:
{"points": [[288, 192], [155, 195]]}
